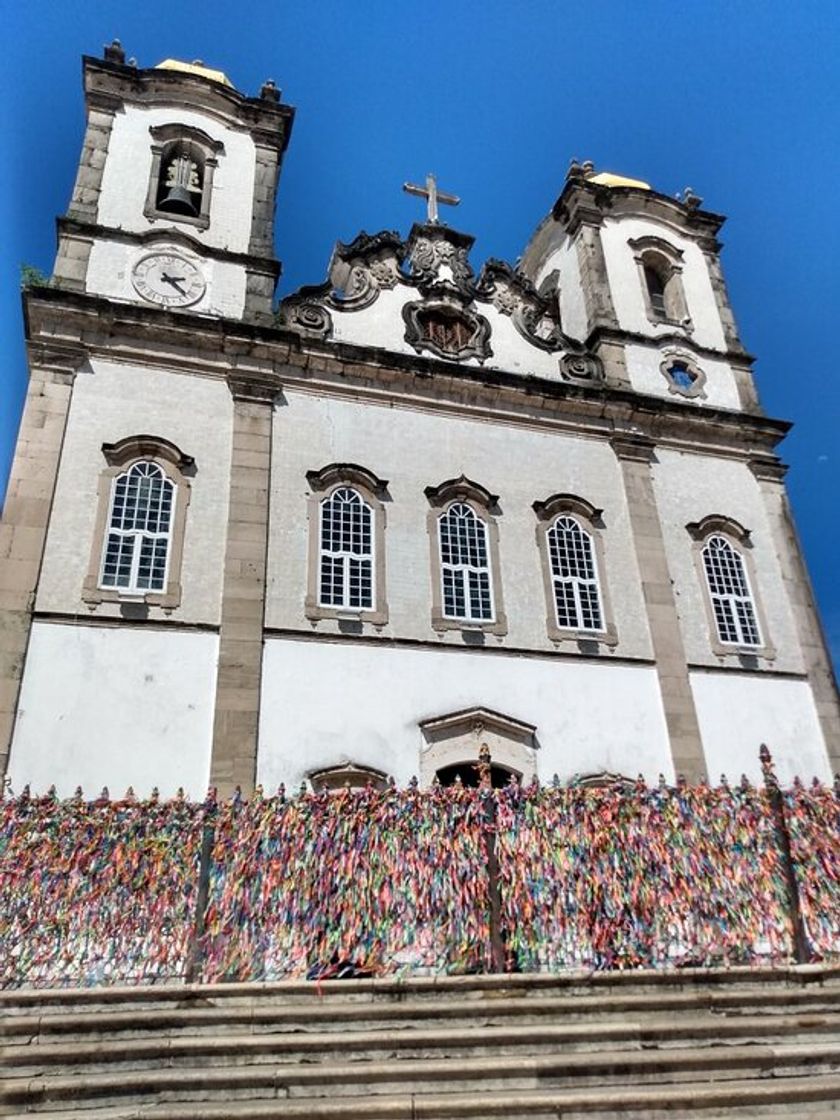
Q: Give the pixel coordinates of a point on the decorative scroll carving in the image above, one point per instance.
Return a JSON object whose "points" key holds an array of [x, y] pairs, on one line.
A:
{"points": [[440, 263], [303, 312], [535, 317], [585, 369]]}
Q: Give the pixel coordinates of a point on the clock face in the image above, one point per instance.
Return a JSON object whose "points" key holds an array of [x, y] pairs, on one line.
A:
{"points": [[168, 279]]}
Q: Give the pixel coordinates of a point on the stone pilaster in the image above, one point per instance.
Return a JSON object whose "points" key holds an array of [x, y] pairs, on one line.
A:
{"points": [[770, 472], [26, 515], [636, 453], [237, 709]]}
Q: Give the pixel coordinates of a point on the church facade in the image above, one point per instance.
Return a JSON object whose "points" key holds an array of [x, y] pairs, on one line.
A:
{"points": [[420, 507]]}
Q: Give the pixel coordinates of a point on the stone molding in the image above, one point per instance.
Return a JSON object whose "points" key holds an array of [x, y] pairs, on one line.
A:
{"points": [[591, 520], [485, 506], [716, 524], [374, 491], [459, 736], [176, 466]]}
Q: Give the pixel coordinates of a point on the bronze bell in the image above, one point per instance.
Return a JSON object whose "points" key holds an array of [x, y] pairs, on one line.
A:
{"points": [[182, 186], [179, 200]]}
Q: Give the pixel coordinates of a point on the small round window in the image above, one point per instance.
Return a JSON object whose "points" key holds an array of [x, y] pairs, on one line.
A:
{"points": [[684, 377]]}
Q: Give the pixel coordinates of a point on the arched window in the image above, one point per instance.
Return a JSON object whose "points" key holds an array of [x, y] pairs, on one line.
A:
{"points": [[724, 566], [577, 598], [730, 594], [569, 535], [660, 273], [464, 565], [184, 160], [347, 545], [136, 553], [139, 538], [464, 537], [346, 569]]}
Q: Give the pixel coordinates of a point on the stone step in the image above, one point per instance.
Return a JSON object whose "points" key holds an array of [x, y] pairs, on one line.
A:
{"points": [[807, 1096], [586, 1039], [200, 1015], [534, 985]]}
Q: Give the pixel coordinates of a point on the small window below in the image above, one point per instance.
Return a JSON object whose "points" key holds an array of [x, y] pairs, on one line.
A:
{"points": [[467, 774], [683, 375]]}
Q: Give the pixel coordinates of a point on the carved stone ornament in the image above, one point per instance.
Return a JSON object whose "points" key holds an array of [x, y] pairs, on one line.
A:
{"points": [[584, 369], [361, 269], [306, 316], [514, 295], [448, 331], [439, 262]]}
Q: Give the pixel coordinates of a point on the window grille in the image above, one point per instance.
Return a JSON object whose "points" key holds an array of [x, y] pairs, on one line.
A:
{"points": [[139, 530], [465, 565], [447, 332], [574, 576], [729, 591], [346, 563]]}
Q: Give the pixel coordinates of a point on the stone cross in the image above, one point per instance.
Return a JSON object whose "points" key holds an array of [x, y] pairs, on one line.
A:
{"points": [[433, 196]]}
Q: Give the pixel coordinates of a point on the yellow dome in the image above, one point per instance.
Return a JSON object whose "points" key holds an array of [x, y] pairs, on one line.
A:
{"points": [[608, 179], [195, 68]]}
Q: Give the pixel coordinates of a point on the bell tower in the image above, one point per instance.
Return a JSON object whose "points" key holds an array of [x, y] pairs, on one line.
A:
{"points": [[173, 204]]}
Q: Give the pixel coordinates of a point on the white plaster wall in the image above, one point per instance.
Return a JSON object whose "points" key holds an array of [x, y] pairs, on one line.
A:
{"points": [[111, 263], [111, 402], [688, 488], [413, 450], [572, 303], [326, 703], [643, 369], [625, 282], [115, 707], [125, 181], [738, 713], [381, 324]]}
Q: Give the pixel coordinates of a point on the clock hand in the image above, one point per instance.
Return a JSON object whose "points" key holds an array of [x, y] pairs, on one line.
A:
{"points": [[175, 281]]}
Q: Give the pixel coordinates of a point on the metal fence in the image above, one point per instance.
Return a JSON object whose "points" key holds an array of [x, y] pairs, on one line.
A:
{"points": [[414, 881]]}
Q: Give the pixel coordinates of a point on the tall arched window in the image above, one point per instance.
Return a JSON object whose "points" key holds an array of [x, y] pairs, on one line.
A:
{"points": [[660, 272], [729, 591], [138, 544], [347, 545], [346, 567], [577, 597], [570, 539], [136, 553], [464, 565], [464, 539], [722, 549]]}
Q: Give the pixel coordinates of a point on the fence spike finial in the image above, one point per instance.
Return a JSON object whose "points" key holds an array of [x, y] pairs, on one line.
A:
{"points": [[281, 793]]}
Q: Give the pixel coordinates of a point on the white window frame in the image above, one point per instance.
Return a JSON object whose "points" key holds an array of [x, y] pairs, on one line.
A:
{"points": [[461, 572], [346, 556], [735, 602], [138, 536], [576, 582]]}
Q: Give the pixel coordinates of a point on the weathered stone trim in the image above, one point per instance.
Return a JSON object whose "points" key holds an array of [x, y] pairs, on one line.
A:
{"points": [[592, 521], [374, 491], [594, 280], [636, 454], [739, 539], [770, 474], [238, 682], [176, 466], [711, 248], [484, 505], [26, 517], [84, 203]]}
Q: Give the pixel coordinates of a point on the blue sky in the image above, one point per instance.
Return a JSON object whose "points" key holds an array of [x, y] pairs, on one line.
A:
{"points": [[738, 100]]}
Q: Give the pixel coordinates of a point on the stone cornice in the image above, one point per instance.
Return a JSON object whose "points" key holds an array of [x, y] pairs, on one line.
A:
{"points": [[109, 85], [213, 347], [80, 228], [584, 202], [671, 338]]}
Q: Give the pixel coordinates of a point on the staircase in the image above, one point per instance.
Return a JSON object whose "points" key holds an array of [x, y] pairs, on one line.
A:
{"points": [[693, 1043]]}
